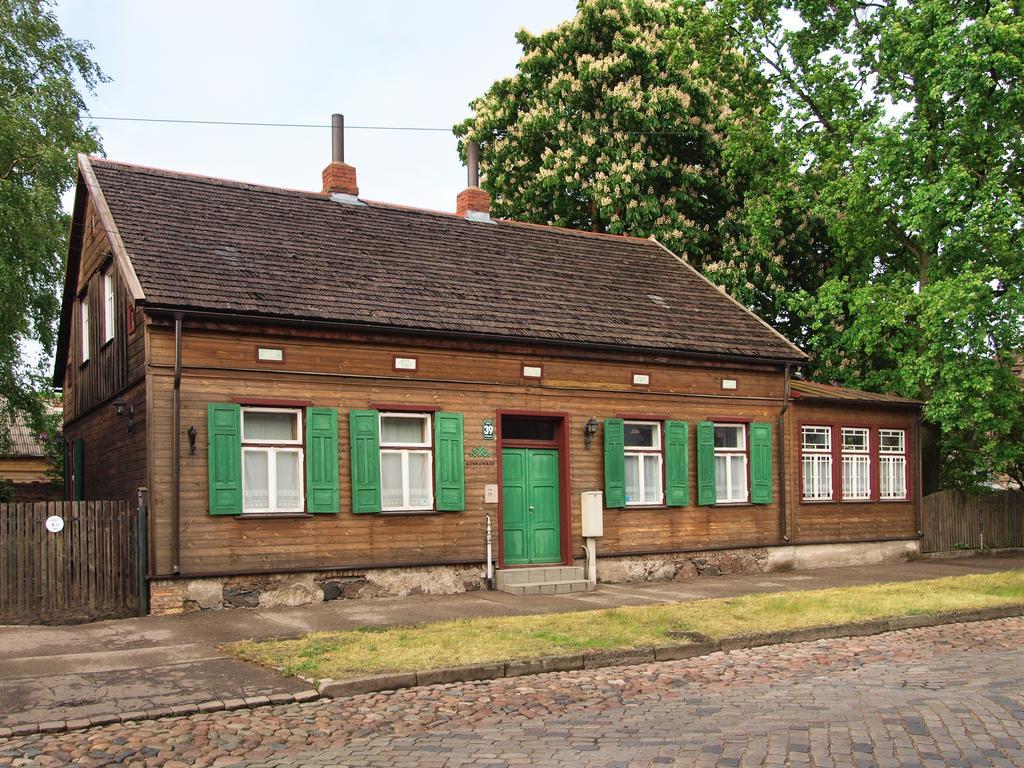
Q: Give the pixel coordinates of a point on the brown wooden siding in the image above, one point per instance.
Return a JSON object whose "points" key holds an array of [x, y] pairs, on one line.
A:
{"points": [[115, 459], [117, 364], [815, 521], [221, 368]]}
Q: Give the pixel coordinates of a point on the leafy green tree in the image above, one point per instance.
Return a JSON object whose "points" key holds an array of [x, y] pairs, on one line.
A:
{"points": [[41, 131], [851, 170], [640, 117], [909, 118]]}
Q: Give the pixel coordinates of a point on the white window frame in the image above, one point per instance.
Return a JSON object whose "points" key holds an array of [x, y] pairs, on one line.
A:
{"points": [[639, 453], [404, 450], [892, 466], [855, 458], [740, 450], [819, 461], [273, 448], [108, 306], [83, 319]]}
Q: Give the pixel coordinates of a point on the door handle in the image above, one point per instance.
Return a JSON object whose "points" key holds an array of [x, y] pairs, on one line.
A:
{"points": [[531, 508]]}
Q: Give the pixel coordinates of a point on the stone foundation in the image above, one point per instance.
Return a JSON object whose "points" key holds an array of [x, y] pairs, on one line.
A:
{"points": [[675, 567], [168, 596], [272, 590]]}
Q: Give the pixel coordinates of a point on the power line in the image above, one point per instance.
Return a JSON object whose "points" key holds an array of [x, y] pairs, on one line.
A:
{"points": [[412, 128], [254, 124]]}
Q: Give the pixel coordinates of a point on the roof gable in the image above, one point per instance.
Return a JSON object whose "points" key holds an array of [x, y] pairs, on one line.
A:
{"points": [[207, 244]]}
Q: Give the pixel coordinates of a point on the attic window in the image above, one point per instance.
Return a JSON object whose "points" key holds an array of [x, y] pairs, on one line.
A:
{"points": [[532, 371], [658, 300], [269, 354]]}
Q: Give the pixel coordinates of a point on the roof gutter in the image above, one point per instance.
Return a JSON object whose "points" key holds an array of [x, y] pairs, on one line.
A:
{"points": [[226, 315]]}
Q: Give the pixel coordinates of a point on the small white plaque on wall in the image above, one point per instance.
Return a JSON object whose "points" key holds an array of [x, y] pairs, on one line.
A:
{"points": [[270, 354], [641, 379], [491, 493], [405, 363], [728, 383]]}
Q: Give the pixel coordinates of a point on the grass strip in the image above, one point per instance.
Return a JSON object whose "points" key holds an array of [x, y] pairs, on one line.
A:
{"points": [[373, 650]]}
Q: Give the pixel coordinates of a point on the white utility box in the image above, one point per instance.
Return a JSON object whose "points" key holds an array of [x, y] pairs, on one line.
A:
{"points": [[593, 513]]}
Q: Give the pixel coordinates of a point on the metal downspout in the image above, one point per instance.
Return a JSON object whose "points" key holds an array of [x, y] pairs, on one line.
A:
{"points": [[176, 453], [783, 497], [919, 461]]}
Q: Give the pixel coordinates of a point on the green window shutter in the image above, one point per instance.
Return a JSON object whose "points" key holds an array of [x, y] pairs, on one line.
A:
{"points": [[77, 473], [224, 457], [706, 463], [364, 434], [322, 460], [677, 463], [761, 463], [614, 464], [449, 469]]}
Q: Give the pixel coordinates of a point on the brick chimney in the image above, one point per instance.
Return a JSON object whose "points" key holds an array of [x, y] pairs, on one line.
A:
{"points": [[473, 202], [339, 177]]}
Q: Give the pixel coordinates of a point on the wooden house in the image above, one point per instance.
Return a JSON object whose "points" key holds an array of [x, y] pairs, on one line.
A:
{"points": [[23, 463], [329, 397]]}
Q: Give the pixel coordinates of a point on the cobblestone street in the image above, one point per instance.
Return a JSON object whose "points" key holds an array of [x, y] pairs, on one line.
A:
{"points": [[951, 695]]}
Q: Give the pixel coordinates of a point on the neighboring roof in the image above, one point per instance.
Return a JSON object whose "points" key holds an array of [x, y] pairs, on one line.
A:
{"points": [[811, 390], [24, 442], [208, 244]]}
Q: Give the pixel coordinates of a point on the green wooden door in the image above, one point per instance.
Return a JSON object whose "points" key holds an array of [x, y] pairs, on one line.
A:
{"points": [[531, 521]]}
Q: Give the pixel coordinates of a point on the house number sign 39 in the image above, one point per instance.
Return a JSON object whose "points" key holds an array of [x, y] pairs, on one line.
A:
{"points": [[55, 523], [488, 429]]}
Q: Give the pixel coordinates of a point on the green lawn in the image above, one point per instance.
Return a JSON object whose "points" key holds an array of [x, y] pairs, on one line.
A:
{"points": [[468, 641]]}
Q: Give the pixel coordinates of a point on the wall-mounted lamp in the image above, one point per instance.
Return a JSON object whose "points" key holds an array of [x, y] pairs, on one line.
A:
{"points": [[125, 410], [192, 433], [589, 430]]}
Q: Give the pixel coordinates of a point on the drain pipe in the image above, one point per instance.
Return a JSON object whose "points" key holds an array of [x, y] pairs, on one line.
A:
{"points": [[919, 474], [490, 557], [783, 500], [176, 453]]}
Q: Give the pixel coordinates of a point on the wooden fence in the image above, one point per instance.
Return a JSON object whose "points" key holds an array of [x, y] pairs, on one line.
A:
{"points": [[954, 520], [92, 568]]}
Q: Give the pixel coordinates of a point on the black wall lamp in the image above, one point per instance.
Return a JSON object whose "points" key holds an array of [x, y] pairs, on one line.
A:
{"points": [[192, 433], [589, 430], [126, 411]]}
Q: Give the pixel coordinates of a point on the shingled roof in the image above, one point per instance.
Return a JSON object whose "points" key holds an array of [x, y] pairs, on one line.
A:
{"points": [[207, 244], [812, 390]]}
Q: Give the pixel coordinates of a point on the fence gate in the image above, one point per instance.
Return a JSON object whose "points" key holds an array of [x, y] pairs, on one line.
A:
{"points": [[954, 520], [65, 562]]}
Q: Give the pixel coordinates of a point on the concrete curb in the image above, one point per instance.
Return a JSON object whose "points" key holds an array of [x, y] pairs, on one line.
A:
{"points": [[181, 710], [334, 689]]}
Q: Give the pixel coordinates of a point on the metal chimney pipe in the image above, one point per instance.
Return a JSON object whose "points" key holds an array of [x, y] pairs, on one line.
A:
{"points": [[337, 138], [473, 164]]}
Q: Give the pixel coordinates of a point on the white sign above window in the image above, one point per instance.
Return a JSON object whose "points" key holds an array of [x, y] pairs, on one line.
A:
{"points": [[641, 379], [405, 363], [728, 383], [269, 354]]}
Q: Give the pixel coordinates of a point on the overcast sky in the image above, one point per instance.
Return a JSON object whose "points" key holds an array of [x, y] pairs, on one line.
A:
{"points": [[380, 62]]}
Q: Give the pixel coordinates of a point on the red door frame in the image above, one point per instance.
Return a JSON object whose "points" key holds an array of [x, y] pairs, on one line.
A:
{"points": [[561, 442]]}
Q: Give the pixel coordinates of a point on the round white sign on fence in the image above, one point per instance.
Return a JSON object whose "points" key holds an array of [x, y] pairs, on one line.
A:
{"points": [[55, 523]]}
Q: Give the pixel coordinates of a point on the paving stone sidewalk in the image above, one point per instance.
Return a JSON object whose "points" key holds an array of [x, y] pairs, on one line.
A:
{"points": [[938, 696]]}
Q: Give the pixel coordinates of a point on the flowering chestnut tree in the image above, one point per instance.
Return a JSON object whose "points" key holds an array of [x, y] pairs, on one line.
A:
{"points": [[638, 117]]}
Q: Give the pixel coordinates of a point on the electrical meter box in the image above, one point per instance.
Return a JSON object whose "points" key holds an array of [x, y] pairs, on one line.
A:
{"points": [[593, 514]]}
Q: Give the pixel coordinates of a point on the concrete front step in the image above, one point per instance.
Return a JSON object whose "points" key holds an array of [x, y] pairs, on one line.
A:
{"points": [[542, 580], [549, 587]]}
